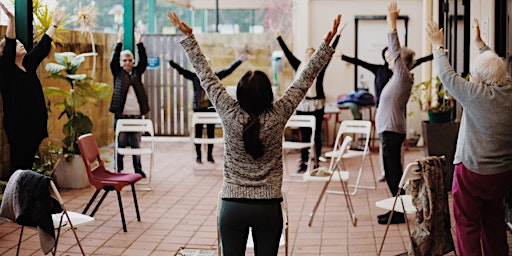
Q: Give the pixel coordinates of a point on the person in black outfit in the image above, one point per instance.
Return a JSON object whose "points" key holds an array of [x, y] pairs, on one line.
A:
{"points": [[129, 99], [25, 117], [312, 104], [201, 103]]}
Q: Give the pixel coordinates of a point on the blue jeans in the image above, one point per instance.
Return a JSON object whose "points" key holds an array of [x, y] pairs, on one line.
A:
{"points": [[131, 139]]}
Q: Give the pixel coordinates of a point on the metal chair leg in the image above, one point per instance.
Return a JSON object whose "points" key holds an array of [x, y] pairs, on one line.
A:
{"points": [[99, 203], [90, 202], [121, 210], [135, 202]]}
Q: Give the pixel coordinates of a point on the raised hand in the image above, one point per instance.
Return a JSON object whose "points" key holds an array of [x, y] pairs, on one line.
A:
{"points": [[243, 57], [333, 31], [6, 11], [393, 13], [179, 24], [120, 34], [477, 37], [57, 16], [138, 37], [435, 35]]}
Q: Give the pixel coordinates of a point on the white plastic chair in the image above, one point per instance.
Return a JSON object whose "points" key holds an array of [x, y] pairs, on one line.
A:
{"points": [[335, 171], [283, 241], [295, 122], [356, 128], [206, 118], [136, 125], [404, 205], [72, 220]]}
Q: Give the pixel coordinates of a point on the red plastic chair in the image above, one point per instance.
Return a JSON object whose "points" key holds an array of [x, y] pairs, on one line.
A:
{"points": [[103, 179]]}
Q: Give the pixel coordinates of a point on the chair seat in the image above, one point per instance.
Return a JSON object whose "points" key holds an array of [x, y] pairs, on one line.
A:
{"points": [[134, 151], [208, 140], [106, 176], [296, 145], [335, 176], [388, 204], [76, 218]]}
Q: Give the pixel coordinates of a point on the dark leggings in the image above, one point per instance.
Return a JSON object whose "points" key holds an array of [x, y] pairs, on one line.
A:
{"points": [[265, 219], [305, 134], [22, 153], [392, 158]]}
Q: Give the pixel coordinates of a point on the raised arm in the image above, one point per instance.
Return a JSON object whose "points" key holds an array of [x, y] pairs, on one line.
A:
{"points": [[185, 73], [228, 70], [11, 26], [56, 19], [480, 44], [115, 67]]}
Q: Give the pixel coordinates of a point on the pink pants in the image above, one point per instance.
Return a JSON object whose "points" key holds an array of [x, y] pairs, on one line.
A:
{"points": [[478, 208]]}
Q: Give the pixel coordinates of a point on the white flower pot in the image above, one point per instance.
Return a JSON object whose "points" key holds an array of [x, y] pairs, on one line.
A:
{"points": [[71, 174]]}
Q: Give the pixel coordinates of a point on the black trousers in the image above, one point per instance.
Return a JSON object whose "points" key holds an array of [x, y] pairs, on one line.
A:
{"points": [[265, 219], [391, 143], [22, 153], [306, 133]]}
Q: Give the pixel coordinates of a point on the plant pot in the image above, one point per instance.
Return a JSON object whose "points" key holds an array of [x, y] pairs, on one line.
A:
{"points": [[71, 174], [439, 117]]}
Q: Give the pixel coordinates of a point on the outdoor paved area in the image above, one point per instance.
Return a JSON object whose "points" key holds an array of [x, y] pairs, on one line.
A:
{"points": [[181, 209]]}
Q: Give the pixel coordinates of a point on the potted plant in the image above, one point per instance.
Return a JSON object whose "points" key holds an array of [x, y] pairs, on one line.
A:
{"points": [[83, 90], [433, 98], [439, 133]]}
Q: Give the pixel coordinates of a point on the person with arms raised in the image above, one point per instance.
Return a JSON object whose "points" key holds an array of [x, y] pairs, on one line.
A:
{"points": [[253, 161]]}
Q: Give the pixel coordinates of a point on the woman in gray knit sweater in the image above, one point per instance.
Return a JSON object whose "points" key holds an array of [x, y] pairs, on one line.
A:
{"points": [[253, 130], [483, 157]]}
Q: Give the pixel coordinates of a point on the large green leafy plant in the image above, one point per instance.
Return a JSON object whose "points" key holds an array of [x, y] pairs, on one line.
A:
{"points": [[83, 90]]}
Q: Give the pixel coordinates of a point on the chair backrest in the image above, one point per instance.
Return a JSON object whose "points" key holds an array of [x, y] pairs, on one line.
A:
{"points": [[206, 118], [91, 157], [355, 127], [303, 121], [341, 149], [411, 172], [135, 125]]}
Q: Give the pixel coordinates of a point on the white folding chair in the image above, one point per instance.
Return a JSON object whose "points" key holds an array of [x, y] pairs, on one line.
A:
{"points": [[205, 118], [283, 241], [335, 171], [136, 125], [73, 219], [296, 122], [359, 129], [400, 203]]}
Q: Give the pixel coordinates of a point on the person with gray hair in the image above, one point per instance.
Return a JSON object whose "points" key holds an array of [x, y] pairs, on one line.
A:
{"points": [[483, 156], [129, 99], [390, 118]]}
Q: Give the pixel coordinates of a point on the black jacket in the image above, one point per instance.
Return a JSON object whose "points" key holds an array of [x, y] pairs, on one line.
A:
{"points": [[123, 80]]}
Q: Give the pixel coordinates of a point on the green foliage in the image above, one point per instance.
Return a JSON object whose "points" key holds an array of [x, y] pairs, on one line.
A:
{"points": [[47, 156], [83, 90], [432, 96]]}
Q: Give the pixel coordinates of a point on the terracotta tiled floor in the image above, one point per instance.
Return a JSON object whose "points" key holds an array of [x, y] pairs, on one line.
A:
{"points": [[180, 211]]}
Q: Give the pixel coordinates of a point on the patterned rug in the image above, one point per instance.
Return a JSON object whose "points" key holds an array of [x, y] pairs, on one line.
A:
{"points": [[195, 252]]}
